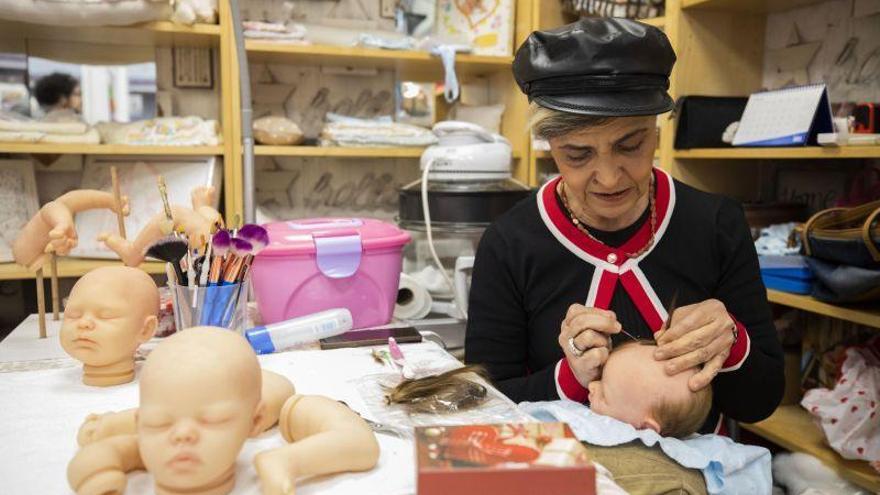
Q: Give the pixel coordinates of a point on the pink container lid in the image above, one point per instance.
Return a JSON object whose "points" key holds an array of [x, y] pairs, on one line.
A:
{"points": [[298, 237]]}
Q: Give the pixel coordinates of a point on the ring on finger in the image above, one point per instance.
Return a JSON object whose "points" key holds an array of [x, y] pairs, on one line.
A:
{"points": [[577, 351]]}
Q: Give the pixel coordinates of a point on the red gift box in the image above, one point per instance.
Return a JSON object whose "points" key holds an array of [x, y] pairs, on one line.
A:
{"points": [[508, 459]]}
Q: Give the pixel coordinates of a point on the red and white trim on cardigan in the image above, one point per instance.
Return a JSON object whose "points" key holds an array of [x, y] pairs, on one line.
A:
{"points": [[740, 349], [612, 265]]}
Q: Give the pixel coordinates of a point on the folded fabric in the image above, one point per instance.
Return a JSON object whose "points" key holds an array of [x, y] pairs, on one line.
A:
{"points": [[774, 240], [165, 131], [849, 415], [89, 137], [274, 31], [349, 131], [728, 467]]}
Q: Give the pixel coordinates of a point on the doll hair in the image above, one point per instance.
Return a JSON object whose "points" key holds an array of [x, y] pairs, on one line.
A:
{"points": [[679, 418], [447, 392]]}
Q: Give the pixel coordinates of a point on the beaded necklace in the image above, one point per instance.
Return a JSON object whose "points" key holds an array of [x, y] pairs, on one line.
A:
{"points": [[580, 224]]}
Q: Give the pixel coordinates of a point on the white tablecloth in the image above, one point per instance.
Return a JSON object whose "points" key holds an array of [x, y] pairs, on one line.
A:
{"points": [[42, 410]]}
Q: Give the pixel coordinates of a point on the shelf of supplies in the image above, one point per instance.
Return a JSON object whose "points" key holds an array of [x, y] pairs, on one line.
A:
{"points": [[71, 267], [107, 149], [411, 63], [659, 22], [751, 6], [792, 428], [869, 316], [159, 33], [806, 152]]}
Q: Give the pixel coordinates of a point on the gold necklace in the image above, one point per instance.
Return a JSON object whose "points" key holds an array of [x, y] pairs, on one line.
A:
{"points": [[580, 224]]}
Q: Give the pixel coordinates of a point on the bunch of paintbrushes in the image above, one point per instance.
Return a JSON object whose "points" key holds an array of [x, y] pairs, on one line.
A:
{"points": [[225, 270], [208, 280]]}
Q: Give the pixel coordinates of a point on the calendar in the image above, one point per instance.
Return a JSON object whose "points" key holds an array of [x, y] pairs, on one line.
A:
{"points": [[785, 117]]}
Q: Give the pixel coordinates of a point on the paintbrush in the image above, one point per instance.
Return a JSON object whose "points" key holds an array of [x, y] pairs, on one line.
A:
{"points": [[241, 249], [259, 239], [172, 285], [167, 226], [171, 249], [221, 242]]}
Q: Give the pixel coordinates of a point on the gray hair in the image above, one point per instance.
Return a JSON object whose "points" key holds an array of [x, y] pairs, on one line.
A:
{"points": [[547, 123]]}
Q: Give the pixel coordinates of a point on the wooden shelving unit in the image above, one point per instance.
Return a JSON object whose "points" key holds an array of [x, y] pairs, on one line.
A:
{"points": [[160, 33], [107, 149], [749, 6], [866, 315], [805, 152], [411, 63], [72, 267], [793, 428]]}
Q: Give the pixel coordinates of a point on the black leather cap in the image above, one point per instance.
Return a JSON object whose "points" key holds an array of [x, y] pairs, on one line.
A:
{"points": [[597, 66]]}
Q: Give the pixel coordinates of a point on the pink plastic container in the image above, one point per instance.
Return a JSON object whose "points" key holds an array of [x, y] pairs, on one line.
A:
{"points": [[323, 263]]}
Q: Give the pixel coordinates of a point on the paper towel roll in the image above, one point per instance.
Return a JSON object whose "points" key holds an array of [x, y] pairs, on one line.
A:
{"points": [[413, 300]]}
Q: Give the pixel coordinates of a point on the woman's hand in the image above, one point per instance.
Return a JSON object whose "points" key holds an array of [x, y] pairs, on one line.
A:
{"points": [[588, 330], [700, 334]]}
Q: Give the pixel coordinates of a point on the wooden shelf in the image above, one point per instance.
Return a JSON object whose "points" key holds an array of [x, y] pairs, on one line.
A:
{"points": [[792, 427], [659, 22], [327, 151], [411, 63], [805, 152], [160, 33], [72, 267], [107, 149], [750, 6], [869, 316], [342, 152]]}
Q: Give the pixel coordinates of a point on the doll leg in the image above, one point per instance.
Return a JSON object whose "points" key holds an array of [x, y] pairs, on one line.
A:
{"points": [[276, 390], [99, 468], [326, 437]]}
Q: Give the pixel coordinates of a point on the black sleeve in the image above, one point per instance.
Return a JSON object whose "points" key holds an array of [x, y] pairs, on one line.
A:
{"points": [[497, 328], [751, 386]]}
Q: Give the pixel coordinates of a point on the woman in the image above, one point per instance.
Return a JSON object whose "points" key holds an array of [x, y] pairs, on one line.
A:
{"points": [[613, 244]]}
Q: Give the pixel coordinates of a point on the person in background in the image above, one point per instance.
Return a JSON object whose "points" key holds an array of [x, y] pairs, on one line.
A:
{"points": [[58, 92]]}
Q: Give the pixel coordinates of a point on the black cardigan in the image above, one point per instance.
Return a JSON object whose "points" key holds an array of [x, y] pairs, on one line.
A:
{"points": [[532, 264]]}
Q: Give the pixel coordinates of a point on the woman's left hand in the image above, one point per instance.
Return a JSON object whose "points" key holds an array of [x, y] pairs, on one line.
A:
{"points": [[700, 334]]}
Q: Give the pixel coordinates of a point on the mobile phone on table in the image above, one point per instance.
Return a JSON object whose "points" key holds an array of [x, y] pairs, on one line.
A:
{"points": [[365, 338]]}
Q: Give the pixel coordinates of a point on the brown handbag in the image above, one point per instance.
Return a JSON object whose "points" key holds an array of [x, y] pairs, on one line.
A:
{"points": [[847, 236]]}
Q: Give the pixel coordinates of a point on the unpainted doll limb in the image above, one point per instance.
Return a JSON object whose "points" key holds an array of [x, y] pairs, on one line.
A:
{"points": [[276, 390], [197, 223], [52, 229], [99, 468], [100, 426], [326, 437]]}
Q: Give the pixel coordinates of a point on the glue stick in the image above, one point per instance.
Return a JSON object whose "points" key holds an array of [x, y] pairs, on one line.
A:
{"points": [[267, 339]]}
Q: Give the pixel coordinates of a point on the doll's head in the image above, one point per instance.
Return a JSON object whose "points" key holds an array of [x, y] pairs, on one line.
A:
{"points": [[111, 311], [635, 389], [199, 401]]}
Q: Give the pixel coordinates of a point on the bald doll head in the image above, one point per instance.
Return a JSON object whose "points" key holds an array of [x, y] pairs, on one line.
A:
{"points": [[199, 401], [110, 312]]}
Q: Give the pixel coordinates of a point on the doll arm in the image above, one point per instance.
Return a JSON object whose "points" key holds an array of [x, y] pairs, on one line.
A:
{"points": [[326, 437], [52, 229], [275, 392], [100, 426], [99, 468]]}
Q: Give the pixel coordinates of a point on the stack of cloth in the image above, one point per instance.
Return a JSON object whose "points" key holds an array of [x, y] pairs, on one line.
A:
{"points": [[57, 127], [275, 31], [164, 131], [380, 131]]}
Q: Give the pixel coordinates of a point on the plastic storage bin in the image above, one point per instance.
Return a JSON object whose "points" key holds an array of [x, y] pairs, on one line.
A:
{"points": [[324, 263]]}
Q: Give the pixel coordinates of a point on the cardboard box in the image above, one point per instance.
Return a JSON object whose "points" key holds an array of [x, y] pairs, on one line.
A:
{"points": [[508, 459]]}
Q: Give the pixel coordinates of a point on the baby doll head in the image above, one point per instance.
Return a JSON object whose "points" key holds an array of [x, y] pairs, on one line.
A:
{"points": [[635, 389], [111, 311], [199, 401]]}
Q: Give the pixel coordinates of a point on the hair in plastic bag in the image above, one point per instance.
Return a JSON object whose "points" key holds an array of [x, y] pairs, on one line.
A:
{"points": [[443, 393]]}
